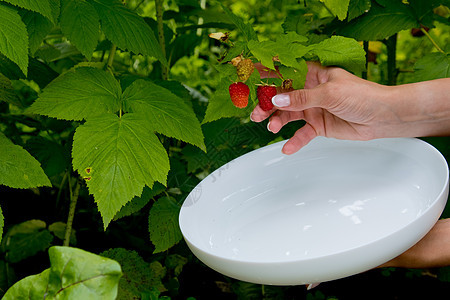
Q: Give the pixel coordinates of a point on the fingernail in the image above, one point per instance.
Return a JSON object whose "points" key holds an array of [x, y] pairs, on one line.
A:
{"points": [[251, 117], [268, 127], [281, 100]]}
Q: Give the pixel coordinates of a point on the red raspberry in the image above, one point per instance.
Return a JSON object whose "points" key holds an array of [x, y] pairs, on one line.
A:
{"points": [[265, 94], [239, 93]]}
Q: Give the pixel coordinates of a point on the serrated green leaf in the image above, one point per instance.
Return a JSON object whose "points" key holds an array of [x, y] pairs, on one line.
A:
{"points": [[31, 287], [340, 51], [80, 23], [18, 169], [137, 203], [298, 75], [338, 7], [263, 51], [26, 239], [78, 274], [163, 224], [380, 22], [138, 275], [38, 27], [13, 37], [357, 8], [123, 155], [245, 28], [47, 8], [167, 112], [432, 66], [287, 48], [79, 94], [127, 30]]}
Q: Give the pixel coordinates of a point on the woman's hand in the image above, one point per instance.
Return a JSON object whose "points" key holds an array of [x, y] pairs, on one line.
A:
{"points": [[335, 103]]}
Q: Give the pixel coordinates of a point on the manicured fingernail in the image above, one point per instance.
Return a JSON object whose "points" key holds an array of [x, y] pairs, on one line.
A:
{"points": [[251, 117], [281, 100], [268, 127]]}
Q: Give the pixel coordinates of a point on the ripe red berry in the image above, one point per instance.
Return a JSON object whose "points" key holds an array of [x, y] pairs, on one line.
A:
{"points": [[239, 93], [265, 94]]}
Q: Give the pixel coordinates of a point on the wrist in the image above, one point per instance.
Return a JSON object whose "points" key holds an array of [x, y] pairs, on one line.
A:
{"points": [[416, 109]]}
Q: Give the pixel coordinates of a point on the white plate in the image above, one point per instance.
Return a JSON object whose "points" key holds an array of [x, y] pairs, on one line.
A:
{"points": [[333, 209]]}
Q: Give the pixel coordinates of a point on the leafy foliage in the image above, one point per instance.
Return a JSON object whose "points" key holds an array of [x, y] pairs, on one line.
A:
{"points": [[13, 37], [118, 157], [73, 273], [79, 94], [163, 224], [138, 275], [18, 168], [92, 104]]}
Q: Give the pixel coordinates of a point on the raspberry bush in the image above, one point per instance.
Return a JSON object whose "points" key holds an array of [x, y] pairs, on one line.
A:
{"points": [[112, 111]]}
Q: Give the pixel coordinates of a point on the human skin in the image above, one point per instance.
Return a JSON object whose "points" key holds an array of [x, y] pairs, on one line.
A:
{"points": [[335, 103], [338, 104]]}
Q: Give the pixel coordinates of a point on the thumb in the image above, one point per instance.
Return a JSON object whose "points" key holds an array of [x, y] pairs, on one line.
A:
{"points": [[299, 100]]}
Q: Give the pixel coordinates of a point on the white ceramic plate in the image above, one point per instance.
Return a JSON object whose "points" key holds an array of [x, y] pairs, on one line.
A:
{"points": [[333, 209]]}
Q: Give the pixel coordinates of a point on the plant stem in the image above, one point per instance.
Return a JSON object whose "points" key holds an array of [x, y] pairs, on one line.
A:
{"points": [[112, 53], [391, 44], [432, 40], [73, 204], [162, 41], [366, 49]]}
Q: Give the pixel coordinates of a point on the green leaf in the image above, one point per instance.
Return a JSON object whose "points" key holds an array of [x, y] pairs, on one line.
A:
{"points": [[163, 224], [31, 287], [245, 28], [38, 27], [137, 203], [18, 169], [26, 239], [122, 155], [287, 48], [432, 66], [297, 75], [13, 37], [74, 274], [357, 8], [380, 22], [80, 23], [53, 157], [78, 274], [7, 93], [127, 30], [167, 112], [340, 51], [138, 275], [338, 7], [47, 8], [79, 94]]}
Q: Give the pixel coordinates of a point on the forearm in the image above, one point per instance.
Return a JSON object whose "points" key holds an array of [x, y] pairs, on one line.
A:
{"points": [[419, 109], [432, 251]]}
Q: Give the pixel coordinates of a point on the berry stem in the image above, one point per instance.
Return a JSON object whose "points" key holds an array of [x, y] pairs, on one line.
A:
{"points": [[432, 40]]}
